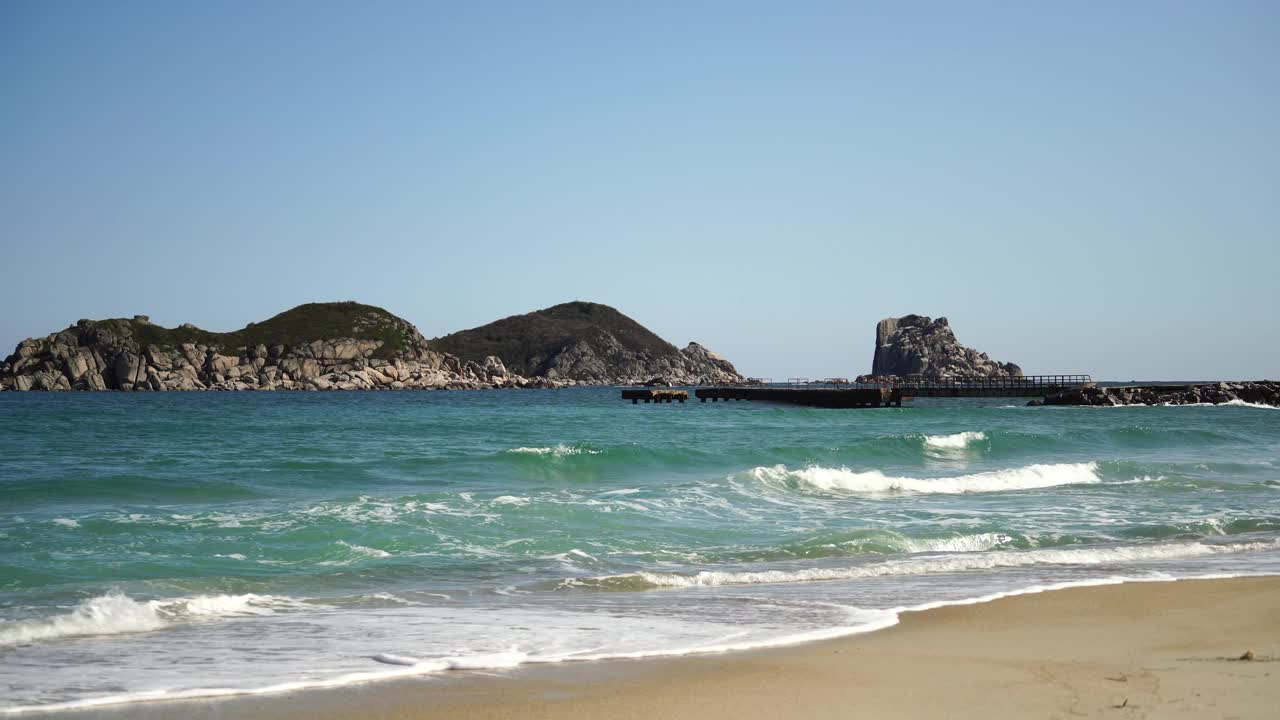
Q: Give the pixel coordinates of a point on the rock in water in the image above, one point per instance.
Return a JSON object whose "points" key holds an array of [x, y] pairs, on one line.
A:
{"points": [[1259, 392], [918, 346]]}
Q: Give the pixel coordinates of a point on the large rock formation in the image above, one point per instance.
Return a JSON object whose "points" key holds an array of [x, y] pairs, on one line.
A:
{"points": [[915, 346], [1262, 392], [349, 346], [319, 346], [588, 343]]}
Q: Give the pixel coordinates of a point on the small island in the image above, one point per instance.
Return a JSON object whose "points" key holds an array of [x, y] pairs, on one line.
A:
{"points": [[351, 346]]}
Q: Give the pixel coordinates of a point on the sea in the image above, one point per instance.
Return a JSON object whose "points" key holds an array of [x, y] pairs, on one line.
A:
{"points": [[178, 545]]}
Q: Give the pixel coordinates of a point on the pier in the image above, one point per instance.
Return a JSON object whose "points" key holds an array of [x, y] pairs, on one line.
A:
{"points": [[839, 393], [1023, 386], [655, 395], [828, 397]]}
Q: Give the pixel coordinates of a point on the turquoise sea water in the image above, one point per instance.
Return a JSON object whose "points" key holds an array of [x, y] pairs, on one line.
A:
{"points": [[167, 545]]}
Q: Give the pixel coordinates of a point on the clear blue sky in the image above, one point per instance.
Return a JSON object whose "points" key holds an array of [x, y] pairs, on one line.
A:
{"points": [[1081, 187]]}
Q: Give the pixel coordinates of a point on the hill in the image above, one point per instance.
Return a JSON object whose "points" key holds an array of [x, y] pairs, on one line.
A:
{"points": [[317, 346], [297, 326], [587, 342], [350, 346]]}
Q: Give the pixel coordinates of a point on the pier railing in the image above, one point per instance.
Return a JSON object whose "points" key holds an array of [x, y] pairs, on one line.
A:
{"points": [[1023, 382]]}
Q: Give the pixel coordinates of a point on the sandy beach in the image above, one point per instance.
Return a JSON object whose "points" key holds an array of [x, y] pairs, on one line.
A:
{"points": [[1138, 650]]}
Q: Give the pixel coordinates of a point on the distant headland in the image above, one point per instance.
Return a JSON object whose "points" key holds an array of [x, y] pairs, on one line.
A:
{"points": [[351, 346]]}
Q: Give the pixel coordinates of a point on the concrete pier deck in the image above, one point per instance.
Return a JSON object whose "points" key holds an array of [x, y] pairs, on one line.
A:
{"points": [[655, 395], [814, 397], [840, 393]]}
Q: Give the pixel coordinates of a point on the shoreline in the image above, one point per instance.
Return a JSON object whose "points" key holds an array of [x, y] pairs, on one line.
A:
{"points": [[1173, 643]]}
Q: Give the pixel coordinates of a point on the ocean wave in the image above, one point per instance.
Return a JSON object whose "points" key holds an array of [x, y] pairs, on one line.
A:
{"points": [[890, 542], [875, 482], [354, 554], [558, 451], [510, 500], [1237, 402], [922, 566], [116, 613], [1230, 403], [979, 542], [365, 551], [956, 441]]}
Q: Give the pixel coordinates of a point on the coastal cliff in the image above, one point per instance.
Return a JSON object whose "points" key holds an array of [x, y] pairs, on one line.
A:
{"points": [[917, 346], [346, 346], [588, 342]]}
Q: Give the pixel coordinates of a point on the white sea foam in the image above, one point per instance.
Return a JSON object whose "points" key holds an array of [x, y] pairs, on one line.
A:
{"points": [[959, 543], [942, 564], [390, 659], [358, 552], [368, 509], [956, 441], [557, 451], [1230, 403], [1236, 403], [116, 613], [873, 481], [510, 500], [66, 522], [856, 621]]}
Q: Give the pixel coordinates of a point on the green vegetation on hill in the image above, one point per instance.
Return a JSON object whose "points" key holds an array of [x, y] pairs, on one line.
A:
{"points": [[523, 341], [298, 326]]}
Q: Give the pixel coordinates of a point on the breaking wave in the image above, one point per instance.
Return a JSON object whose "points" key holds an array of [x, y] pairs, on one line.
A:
{"points": [[116, 613], [955, 441], [923, 566], [557, 451], [873, 481]]}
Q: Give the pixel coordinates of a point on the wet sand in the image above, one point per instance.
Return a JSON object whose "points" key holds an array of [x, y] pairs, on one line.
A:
{"points": [[1139, 650]]}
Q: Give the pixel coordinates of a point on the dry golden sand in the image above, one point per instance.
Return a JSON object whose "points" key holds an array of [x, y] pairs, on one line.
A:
{"points": [[1142, 650]]}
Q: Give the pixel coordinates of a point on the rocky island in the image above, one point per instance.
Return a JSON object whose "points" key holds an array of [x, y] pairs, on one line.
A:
{"points": [[351, 346], [917, 347]]}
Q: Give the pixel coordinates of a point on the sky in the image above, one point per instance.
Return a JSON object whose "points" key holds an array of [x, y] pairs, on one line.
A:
{"points": [[1084, 187]]}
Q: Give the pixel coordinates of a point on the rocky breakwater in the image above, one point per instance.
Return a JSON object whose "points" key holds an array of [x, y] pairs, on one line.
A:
{"points": [[320, 346], [589, 343], [1261, 392], [917, 347]]}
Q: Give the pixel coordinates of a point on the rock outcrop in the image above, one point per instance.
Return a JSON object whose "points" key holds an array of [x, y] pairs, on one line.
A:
{"points": [[588, 343], [917, 347], [320, 346], [349, 346], [1262, 392]]}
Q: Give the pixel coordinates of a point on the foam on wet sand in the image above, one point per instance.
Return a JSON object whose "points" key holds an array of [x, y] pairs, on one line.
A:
{"points": [[1163, 649]]}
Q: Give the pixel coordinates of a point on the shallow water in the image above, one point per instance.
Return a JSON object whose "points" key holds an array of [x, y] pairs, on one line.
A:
{"points": [[196, 544]]}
